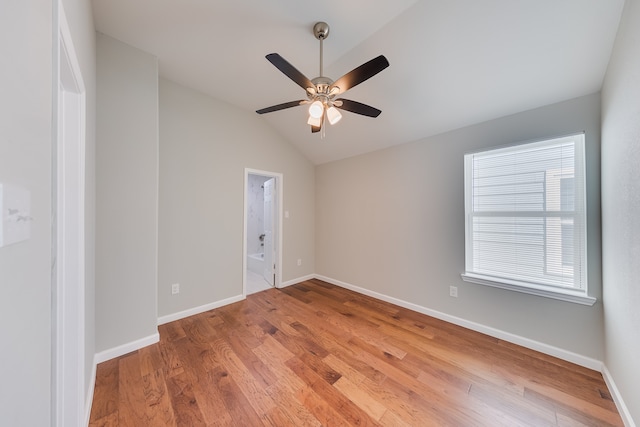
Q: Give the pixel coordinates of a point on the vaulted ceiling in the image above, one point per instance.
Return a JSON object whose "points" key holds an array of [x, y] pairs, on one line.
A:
{"points": [[453, 62]]}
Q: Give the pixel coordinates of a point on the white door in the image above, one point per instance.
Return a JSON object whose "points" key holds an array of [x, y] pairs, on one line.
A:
{"points": [[269, 225]]}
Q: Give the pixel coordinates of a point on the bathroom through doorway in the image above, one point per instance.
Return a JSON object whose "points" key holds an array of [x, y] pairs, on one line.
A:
{"points": [[262, 236]]}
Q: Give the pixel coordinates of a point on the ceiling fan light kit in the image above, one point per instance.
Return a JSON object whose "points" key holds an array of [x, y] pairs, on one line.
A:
{"points": [[333, 115], [316, 109], [322, 92]]}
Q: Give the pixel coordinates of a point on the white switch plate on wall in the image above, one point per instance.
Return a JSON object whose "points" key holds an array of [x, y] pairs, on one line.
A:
{"points": [[15, 214]]}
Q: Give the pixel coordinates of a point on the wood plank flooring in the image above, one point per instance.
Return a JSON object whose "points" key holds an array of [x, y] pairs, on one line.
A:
{"points": [[314, 354]]}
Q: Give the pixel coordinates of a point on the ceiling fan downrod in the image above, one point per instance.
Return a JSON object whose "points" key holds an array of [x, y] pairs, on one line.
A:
{"points": [[321, 32]]}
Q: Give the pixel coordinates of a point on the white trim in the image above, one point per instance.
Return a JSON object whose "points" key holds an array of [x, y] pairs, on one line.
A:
{"points": [[568, 295], [217, 304], [90, 392], [67, 41], [279, 194], [298, 280], [68, 249], [197, 310], [157, 178], [123, 349], [617, 398], [569, 356]]}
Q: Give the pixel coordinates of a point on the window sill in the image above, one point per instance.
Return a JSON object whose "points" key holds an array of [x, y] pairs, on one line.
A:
{"points": [[568, 295]]}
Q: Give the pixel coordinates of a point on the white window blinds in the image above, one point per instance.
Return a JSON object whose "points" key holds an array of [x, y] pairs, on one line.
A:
{"points": [[525, 213]]}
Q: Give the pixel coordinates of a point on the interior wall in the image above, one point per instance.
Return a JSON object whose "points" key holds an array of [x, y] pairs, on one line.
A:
{"points": [[392, 222], [25, 161], [621, 209], [127, 194], [80, 19], [205, 146]]}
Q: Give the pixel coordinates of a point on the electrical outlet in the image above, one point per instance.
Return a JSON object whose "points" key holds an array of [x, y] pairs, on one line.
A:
{"points": [[175, 288], [453, 291], [299, 262]]}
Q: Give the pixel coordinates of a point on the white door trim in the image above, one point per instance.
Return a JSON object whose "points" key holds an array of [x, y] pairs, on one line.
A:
{"points": [[278, 235], [68, 256]]}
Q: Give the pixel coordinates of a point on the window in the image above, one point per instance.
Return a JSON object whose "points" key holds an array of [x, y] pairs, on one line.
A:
{"points": [[526, 218]]}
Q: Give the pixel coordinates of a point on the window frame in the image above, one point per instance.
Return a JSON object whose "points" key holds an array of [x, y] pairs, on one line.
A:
{"points": [[574, 294]]}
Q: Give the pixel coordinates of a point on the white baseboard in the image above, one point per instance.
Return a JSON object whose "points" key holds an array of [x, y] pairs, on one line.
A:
{"points": [[496, 333], [201, 309], [90, 392], [123, 349], [617, 398], [197, 310], [298, 280]]}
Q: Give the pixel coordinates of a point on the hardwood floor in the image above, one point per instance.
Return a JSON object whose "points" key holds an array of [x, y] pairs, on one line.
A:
{"points": [[314, 354]]}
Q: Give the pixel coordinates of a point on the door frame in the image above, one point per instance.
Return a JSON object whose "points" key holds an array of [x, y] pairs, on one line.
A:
{"points": [[69, 403], [277, 240]]}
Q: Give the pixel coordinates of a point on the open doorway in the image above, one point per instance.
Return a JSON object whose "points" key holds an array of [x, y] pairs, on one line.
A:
{"points": [[262, 231]]}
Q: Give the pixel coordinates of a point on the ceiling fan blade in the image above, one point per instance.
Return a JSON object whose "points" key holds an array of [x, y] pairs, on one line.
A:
{"points": [[360, 74], [357, 107], [290, 71], [280, 107]]}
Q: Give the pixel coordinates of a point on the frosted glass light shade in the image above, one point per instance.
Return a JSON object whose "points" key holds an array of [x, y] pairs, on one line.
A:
{"points": [[314, 121], [333, 115], [316, 109]]}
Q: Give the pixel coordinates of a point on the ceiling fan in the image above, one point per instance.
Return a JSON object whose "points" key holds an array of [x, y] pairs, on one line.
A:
{"points": [[322, 92]]}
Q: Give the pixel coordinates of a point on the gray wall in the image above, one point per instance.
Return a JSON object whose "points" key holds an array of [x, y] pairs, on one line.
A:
{"points": [[127, 194], [392, 222], [205, 146], [25, 161], [621, 209]]}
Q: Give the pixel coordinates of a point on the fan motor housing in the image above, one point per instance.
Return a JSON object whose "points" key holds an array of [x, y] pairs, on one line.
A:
{"points": [[322, 84]]}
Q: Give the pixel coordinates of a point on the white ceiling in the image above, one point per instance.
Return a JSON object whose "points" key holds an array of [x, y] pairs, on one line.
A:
{"points": [[453, 62]]}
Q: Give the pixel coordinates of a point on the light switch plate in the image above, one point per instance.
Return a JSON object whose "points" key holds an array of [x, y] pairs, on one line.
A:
{"points": [[15, 214]]}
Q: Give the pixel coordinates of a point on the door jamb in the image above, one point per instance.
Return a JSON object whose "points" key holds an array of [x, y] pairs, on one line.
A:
{"points": [[69, 404]]}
